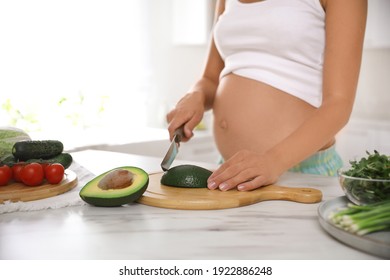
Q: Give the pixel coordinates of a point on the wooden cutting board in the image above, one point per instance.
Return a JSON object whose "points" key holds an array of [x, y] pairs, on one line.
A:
{"points": [[204, 199], [19, 192]]}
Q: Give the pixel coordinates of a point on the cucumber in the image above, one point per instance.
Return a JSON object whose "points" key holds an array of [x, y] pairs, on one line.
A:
{"points": [[64, 158], [34, 149]]}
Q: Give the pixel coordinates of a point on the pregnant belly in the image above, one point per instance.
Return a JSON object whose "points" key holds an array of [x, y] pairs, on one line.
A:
{"points": [[253, 115]]}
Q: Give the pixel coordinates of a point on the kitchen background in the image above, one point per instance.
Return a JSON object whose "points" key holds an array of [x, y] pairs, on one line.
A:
{"points": [[102, 74]]}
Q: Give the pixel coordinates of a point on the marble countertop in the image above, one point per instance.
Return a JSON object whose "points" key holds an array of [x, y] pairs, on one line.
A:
{"points": [[266, 230]]}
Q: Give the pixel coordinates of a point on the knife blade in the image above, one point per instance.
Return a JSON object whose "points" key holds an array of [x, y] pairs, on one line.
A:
{"points": [[173, 149]]}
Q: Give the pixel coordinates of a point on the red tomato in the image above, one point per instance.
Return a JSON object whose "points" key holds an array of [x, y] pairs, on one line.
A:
{"points": [[16, 170], [5, 174], [32, 174], [44, 165], [54, 173]]}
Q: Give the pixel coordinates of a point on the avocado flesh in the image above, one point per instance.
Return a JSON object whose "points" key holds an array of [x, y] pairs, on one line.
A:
{"points": [[95, 195], [186, 176]]}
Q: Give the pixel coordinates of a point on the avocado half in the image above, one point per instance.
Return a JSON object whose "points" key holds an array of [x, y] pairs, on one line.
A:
{"points": [[116, 187], [186, 176]]}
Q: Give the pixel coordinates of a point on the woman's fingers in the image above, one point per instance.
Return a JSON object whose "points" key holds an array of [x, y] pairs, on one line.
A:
{"points": [[245, 171], [188, 112], [253, 184], [231, 173], [176, 120], [227, 178]]}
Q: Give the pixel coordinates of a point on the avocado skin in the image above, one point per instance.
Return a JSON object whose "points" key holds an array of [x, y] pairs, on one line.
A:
{"points": [[115, 202], [186, 176], [105, 198]]}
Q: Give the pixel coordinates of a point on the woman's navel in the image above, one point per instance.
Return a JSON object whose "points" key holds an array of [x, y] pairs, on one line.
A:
{"points": [[223, 124]]}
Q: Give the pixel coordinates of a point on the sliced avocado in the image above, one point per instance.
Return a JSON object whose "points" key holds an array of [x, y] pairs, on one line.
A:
{"points": [[116, 187], [186, 176]]}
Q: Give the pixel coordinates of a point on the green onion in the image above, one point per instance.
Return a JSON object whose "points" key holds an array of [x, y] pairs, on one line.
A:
{"points": [[363, 219]]}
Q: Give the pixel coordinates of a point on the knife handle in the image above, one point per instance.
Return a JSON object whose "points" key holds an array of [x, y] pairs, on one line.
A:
{"points": [[179, 132]]}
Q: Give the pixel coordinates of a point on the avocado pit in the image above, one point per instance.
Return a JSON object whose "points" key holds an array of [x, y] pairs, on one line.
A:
{"points": [[116, 179]]}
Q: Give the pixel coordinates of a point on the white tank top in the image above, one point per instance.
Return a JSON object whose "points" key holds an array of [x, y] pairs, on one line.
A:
{"points": [[277, 42]]}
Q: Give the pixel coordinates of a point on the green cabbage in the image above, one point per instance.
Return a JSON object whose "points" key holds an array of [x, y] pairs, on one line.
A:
{"points": [[8, 137]]}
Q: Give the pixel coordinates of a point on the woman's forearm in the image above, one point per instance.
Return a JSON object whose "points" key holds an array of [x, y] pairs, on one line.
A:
{"points": [[342, 61], [312, 135], [206, 88]]}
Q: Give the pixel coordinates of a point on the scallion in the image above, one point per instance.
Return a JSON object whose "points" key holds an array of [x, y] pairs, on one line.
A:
{"points": [[363, 219]]}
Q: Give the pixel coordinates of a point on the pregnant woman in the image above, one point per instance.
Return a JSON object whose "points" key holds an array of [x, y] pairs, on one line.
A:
{"points": [[281, 78]]}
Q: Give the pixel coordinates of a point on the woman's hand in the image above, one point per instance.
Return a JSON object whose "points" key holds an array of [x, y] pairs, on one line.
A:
{"points": [[188, 112], [245, 171]]}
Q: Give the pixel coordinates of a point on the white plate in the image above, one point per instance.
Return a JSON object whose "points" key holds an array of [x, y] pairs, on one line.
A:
{"points": [[377, 243]]}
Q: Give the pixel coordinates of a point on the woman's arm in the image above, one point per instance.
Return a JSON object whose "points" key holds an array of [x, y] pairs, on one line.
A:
{"points": [[190, 109], [345, 26]]}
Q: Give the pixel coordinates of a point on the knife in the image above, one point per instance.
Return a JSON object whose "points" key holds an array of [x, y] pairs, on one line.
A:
{"points": [[173, 149]]}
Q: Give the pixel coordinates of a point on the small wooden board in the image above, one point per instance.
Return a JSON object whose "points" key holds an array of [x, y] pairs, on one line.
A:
{"points": [[19, 192], [204, 199]]}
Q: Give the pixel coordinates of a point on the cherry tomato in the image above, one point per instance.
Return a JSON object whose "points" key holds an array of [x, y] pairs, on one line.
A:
{"points": [[54, 173], [5, 174], [32, 174], [44, 165], [16, 170]]}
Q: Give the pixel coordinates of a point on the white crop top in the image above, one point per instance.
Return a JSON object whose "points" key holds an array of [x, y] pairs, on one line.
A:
{"points": [[277, 42]]}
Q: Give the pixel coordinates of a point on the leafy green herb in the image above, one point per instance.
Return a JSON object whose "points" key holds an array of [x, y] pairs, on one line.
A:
{"points": [[363, 219], [375, 166], [373, 170]]}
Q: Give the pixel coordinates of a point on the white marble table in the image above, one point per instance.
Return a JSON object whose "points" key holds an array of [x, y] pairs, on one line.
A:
{"points": [[267, 230]]}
